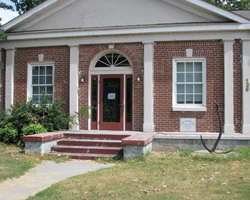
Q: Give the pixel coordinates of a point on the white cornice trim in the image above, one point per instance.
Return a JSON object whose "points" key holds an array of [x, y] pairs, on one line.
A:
{"points": [[28, 14], [219, 11], [128, 31]]}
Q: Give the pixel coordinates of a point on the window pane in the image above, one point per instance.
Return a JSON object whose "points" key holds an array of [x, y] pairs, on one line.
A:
{"points": [[189, 77], [35, 98], [41, 79], [190, 88], [49, 70], [189, 99], [50, 99], [34, 70], [180, 77], [198, 99], [180, 67], [198, 88], [35, 90], [49, 80], [198, 77], [180, 99], [42, 90], [42, 70], [189, 67], [198, 67], [40, 98], [180, 89], [50, 89], [34, 79]]}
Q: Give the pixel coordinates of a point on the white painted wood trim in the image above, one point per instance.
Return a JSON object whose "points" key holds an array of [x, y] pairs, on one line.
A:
{"points": [[127, 31], [228, 87], [9, 80], [148, 80], [74, 83], [245, 91], [218, 10]]}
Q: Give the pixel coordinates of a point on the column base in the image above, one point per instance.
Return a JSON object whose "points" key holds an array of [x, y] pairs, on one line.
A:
{"points": [[228, 129], [148, 127], [246, 129]]}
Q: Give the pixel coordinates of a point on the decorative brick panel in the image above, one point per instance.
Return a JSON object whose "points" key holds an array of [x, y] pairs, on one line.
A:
{"points": [[135, 52], [169, 121], [59, 55], [237, 48]]}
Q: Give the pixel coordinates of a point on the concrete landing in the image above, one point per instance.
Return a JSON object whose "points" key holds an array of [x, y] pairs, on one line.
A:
{"points": [[43, 176]]}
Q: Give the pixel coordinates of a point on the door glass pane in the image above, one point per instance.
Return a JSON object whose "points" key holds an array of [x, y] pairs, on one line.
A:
{"points": [[94, 100], [129, 100], [111, 100]]}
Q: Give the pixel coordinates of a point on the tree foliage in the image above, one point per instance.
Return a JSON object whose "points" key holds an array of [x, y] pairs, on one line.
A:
{"points": [[23, 6], [231, 4]]}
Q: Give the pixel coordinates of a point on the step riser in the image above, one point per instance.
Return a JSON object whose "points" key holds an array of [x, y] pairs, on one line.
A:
{"points": [[90, 143], [95, 136], [84, 157], [86, 150]]}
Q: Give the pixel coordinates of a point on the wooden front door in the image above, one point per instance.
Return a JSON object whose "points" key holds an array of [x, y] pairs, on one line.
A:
{"points": [[111, 102]]}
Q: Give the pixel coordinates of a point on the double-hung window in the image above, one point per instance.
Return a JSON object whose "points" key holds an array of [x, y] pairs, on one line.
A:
{"points": [[189, 84], [41, 81]]}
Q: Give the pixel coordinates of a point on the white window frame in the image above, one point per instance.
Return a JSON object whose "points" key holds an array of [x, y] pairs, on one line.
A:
{"points": [[189, 107], [29, 77]]}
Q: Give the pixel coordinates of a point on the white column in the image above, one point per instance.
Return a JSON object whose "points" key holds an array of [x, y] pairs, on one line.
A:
{"points": [[245, 86], [148, 80], [74, 82], [9, 78], [228, 87]]}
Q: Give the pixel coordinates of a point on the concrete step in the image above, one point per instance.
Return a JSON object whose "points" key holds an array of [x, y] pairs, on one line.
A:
{"points": [[83, 156], [95, 136], [84, 142], [88, 149]]}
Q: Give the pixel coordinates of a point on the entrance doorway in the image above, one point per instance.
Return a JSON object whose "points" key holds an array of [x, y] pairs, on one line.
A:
{"points": [[111, 101]]}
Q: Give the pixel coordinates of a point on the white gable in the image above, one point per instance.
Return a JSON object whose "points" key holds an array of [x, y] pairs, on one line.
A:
{"points": [[73, 14]]}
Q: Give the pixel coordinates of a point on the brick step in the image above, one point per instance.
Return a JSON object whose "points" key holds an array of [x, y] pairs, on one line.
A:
{"points": [[88, 149], [83, 156], [95, 136], [84, 142]]}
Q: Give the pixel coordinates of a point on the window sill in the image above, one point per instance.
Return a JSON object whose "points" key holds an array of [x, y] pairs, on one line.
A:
{"points": [[193, 109]]}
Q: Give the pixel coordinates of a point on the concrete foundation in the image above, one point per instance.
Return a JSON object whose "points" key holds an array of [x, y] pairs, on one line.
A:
{"points": [[132, 151], [40, 147]]}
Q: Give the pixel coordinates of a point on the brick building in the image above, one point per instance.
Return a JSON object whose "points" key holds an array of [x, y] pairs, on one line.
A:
{"points": [[141, 65]]}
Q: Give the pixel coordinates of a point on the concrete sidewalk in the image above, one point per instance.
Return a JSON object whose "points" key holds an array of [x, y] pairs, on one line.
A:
{"points": [[43, 176]]}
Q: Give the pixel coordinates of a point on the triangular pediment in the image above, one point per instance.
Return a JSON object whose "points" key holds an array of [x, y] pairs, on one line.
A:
{"points": [[79, 14]]}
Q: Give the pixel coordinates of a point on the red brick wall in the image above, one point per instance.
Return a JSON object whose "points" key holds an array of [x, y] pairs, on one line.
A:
{"points": [[164, 118], [237, 48], [2, 89], [135, 52], [59, 55]]}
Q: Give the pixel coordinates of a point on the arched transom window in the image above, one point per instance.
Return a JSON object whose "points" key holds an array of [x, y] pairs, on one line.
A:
{"points": [[113, 60]]}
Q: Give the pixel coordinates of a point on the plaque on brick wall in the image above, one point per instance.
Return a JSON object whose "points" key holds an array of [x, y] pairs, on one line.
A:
{"points": [[187, 124]]}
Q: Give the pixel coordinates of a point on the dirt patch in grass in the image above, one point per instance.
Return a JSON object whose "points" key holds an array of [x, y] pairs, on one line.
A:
{"points": [[160, 176]]}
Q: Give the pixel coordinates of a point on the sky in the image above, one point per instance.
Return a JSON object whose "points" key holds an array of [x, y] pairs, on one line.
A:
{"points": [[7, 15]]}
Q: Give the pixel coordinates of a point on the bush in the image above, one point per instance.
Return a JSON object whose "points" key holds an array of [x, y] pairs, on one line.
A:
{"points": [[9, 134], [24, 119], [33, 129]]}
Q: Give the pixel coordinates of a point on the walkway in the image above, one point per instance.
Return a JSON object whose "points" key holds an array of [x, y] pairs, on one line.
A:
{"points": [[43, 176]]}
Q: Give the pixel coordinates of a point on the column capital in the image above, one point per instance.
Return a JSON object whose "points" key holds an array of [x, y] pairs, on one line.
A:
{"points": [[148, 42], [73, 45], [228, 40]]}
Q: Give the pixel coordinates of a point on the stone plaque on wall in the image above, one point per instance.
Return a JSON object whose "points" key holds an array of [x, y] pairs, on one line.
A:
{"points": [[187, 124]]}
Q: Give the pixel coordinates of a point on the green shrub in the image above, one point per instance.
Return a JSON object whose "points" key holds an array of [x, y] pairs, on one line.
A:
{"points": [[33, 129], [9, 134], [3, 116]]}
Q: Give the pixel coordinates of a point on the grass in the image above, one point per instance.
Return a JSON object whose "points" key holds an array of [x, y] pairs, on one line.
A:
{"points": [[161, 176], [14, 163]]}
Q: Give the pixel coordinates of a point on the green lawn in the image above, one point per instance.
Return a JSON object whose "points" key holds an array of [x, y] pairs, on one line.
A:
{"points": [[162, 176]]}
